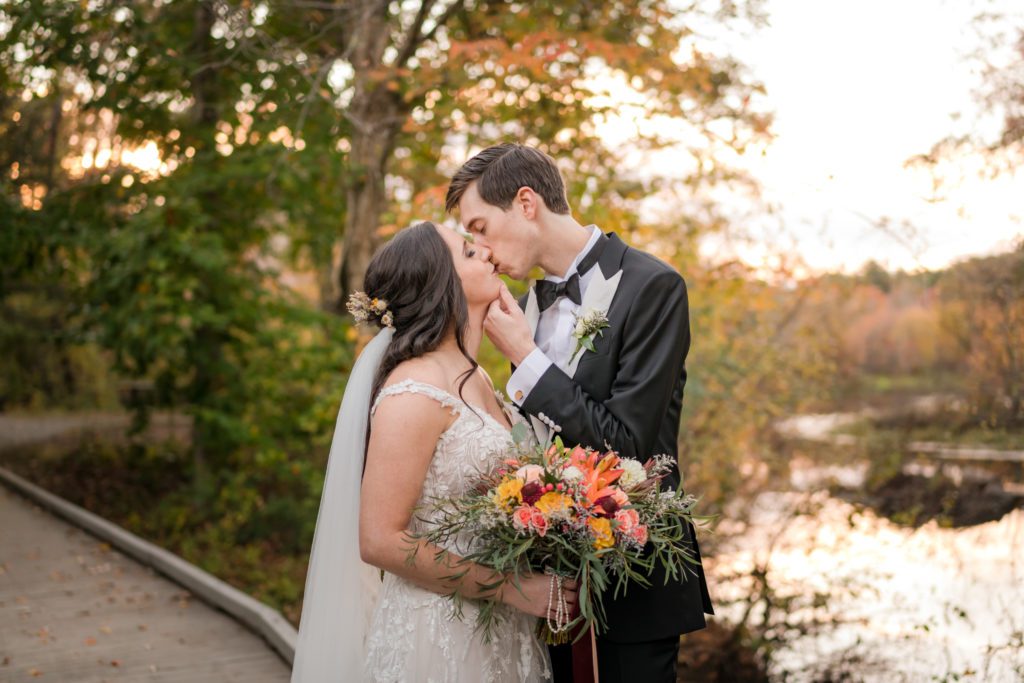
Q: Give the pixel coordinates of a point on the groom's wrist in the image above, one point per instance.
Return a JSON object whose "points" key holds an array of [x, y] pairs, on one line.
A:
{"points": [[520, 353], [526, 376]]}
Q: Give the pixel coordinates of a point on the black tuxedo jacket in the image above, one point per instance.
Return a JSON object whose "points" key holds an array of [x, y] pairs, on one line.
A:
{"points": [[629, 394]]}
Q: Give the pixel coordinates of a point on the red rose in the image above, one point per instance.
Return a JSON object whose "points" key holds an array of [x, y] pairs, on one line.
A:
{"points": [[532, 492]]}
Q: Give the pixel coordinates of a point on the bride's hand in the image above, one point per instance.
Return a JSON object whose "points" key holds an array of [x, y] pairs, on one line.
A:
{"points": [[534, 592]]}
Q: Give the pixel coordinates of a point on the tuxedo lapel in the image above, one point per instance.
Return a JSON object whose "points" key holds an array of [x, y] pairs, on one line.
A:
{"points": [[532, 311], [598, 297]]}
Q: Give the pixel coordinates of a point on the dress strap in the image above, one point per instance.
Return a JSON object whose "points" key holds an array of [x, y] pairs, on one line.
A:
{"points": [[411, 386]]}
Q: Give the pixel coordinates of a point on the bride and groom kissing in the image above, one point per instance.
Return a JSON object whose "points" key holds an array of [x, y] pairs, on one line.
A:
{"points": [[420, 418]]}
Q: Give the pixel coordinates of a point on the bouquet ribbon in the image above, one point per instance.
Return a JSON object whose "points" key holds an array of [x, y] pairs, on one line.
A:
{"points": [[584, 657]]}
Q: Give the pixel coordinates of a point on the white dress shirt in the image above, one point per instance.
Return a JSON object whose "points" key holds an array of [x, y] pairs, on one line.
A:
{"points": [[553, 336]]}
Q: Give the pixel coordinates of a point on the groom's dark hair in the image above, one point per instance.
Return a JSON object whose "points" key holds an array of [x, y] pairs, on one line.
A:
{"points": [[501, 170]]}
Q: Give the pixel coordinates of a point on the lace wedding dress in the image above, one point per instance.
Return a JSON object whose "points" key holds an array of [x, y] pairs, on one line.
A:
{"points": [[414, 634]]}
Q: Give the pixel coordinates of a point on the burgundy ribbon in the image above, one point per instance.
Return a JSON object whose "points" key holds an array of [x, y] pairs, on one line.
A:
{"points": [[584, 658]]}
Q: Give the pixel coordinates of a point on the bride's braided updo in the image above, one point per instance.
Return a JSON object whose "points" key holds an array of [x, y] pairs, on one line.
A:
{"points": [[414, 273]]}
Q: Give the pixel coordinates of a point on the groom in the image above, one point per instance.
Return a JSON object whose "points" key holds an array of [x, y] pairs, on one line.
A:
{"points": [[627, 392]]}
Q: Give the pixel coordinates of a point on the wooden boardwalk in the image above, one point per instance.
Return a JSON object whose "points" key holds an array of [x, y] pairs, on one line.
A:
{"points": [[73, 609]]}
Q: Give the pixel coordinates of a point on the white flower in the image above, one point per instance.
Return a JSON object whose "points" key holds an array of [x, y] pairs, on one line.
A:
{"points": [[633, 472], [492, 518], [590, 323], [572, 473], [364, 309]]}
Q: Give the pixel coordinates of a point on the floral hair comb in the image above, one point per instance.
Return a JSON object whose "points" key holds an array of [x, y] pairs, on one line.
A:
{"points": [[364, 309]]}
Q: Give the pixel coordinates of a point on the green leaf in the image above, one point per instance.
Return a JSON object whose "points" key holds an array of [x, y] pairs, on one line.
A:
{"points": [[521, 433]]}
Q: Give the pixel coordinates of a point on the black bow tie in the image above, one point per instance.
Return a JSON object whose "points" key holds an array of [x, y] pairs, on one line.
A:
{"points": [[549, 292]]}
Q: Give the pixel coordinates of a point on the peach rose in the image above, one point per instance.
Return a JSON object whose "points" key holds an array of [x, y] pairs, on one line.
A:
{"points": [[522, 517], [540, 524], [628, 520]]}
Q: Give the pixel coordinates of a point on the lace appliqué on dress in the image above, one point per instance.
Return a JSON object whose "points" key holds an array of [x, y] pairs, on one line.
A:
{"points": [[414, 634]]}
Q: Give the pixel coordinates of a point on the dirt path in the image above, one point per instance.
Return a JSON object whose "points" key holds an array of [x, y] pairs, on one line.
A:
{"points": [[25, 430], [21, 430]]}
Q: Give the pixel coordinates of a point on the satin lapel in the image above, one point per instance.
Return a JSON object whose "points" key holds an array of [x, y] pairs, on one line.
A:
{"points": [[540, 429], [532, 312], [598, 297]]}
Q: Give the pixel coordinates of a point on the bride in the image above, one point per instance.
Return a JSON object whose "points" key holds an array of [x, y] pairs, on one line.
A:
{"points": [[429, 421]]}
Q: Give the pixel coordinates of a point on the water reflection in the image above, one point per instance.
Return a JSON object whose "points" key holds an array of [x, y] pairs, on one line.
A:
{"points": [[919, 604]]}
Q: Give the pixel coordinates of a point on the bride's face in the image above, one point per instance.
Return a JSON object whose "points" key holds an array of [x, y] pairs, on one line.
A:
{"points": [[480, 282]]}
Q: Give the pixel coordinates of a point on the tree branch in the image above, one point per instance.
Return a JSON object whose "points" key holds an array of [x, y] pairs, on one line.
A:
{"points": [[410, 48], [412, 36]]}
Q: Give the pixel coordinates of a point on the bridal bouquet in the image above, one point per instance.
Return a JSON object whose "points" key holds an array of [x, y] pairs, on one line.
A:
{"points": [[573, 513]]}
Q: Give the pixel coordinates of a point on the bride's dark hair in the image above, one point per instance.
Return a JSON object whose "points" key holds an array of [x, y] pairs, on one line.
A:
{"points": [[414, 273]]}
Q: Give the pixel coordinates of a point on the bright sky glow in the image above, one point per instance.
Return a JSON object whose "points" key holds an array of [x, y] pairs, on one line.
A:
{"points": [[857, 90]]}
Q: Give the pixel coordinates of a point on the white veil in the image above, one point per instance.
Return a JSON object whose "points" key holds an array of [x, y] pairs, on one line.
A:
{"points": [[340, 588]]}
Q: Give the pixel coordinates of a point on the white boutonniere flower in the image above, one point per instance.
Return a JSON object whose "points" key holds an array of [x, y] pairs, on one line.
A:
{"points": [[589, 325]]}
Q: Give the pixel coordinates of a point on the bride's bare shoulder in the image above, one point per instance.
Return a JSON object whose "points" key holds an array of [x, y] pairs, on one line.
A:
{"points": [[413, 410], [425, 369]]}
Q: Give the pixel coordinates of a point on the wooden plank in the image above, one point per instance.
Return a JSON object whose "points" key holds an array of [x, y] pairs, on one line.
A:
{"points": [[254, 614], [73, 608]]}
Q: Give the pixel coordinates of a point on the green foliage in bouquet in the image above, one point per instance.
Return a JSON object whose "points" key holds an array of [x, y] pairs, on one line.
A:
{"points": [[573, 513]]}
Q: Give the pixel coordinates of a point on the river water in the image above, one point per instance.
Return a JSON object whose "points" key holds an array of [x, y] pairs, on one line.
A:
{"points": [[893, 603]]}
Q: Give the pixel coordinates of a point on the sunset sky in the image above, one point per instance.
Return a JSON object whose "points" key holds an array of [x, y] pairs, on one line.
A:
{"points": [[859, 88]]}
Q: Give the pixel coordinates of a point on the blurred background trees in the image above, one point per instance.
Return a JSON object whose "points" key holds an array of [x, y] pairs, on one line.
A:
{"points": [[188, 188]]}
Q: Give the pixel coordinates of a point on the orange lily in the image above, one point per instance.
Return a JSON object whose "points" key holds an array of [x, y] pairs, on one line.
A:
{"points": [[598, 472]]}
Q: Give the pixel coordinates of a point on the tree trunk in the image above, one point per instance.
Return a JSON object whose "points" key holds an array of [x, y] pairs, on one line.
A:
{"points": [[366, 203], [56, 117], [204, 120], [376, 113]]}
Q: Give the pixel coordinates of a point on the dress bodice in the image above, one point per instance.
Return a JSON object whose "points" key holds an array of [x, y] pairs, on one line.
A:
{"points": [[419, 635], [470, 447]]}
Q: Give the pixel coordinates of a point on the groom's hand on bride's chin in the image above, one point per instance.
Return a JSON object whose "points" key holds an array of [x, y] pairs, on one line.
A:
{"points": [[507, 327]]}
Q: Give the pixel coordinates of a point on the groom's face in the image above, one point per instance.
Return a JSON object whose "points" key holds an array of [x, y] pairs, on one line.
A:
{"points": [[511, 237]]}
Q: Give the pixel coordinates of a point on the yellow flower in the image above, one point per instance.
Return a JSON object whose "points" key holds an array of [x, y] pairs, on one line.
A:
{"points": [[555, 505], [509, 493], [601, 529]]}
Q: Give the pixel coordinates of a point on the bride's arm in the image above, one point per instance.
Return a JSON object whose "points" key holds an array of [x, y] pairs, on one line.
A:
{"points": [[404, 432]]}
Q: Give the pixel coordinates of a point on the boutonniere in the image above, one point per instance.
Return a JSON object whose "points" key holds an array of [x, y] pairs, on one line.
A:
{"points": [[589, 325]]}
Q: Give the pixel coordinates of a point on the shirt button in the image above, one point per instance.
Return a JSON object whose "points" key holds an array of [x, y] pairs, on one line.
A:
{"points": [[519, 395]]}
